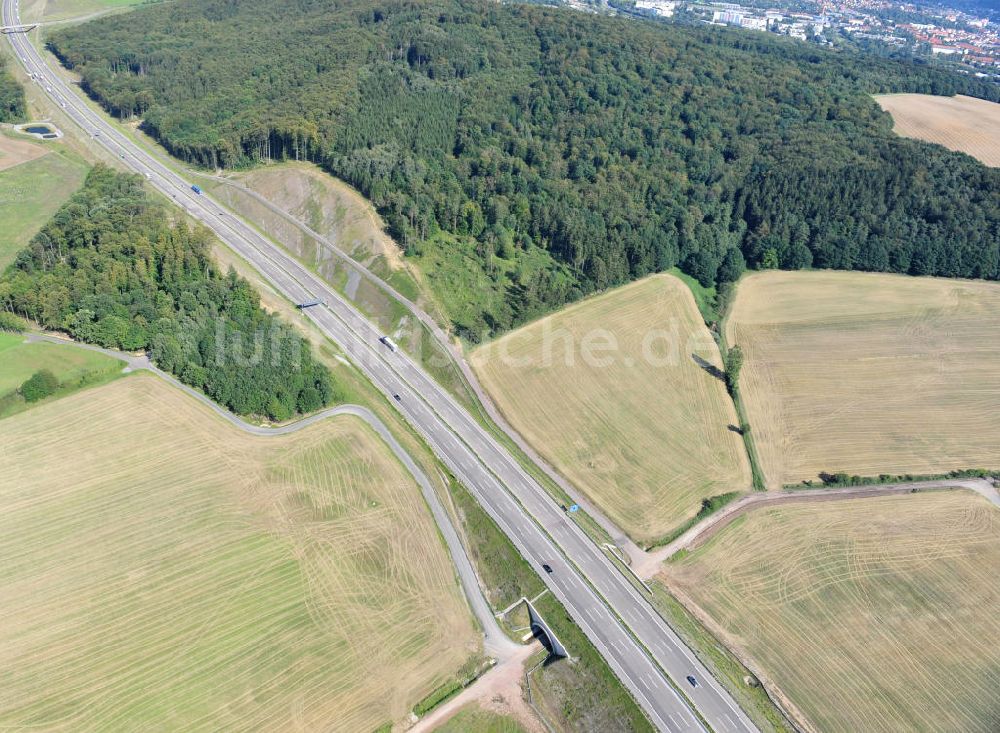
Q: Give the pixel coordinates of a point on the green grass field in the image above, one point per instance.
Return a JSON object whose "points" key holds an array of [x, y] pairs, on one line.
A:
{"points": [[19, 360], [74, 368], [69, 9], [871, 615], [30, 193], [473, 718], [189, 576]]}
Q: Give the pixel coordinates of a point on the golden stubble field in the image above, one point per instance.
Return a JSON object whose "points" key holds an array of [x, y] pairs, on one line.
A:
{"points": [[870, 615], [17, 150], [961, 123], [642, 429], [868, 373], [162, 570]]}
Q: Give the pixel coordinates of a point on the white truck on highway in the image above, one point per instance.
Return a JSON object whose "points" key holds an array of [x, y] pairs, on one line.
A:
{"points": [[388, 342]]}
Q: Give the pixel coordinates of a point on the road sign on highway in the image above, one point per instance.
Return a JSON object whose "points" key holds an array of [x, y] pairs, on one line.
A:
{"points": [[574, 507]]}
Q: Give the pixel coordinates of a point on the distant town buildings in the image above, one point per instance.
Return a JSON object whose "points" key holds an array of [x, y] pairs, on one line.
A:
{"points": [[661, 8], [929, 31]]}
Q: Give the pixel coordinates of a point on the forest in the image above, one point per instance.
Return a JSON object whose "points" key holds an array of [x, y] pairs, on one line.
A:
{"points": [[533, 155], [111, 269], [13, 107]]}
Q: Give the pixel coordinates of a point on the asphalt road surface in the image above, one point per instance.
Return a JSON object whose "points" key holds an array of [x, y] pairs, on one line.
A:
{"points": [[618, 619]]}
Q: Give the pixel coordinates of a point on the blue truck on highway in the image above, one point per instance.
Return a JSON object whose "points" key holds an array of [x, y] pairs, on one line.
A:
{"points": [[196, 189]]}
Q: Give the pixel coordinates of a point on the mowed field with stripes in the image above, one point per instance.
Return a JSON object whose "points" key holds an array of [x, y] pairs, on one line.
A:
{"points": [[611, 392], [163, 570], [868, 374], [870, 615]]}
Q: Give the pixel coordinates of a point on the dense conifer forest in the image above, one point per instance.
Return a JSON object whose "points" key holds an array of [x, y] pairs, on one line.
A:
{"points": [[528, 155], [13, 108], [110, 269]]}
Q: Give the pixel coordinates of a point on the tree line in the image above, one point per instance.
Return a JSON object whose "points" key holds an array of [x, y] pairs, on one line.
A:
{"points": [[111, 268], [542, 154], [13, 107]]}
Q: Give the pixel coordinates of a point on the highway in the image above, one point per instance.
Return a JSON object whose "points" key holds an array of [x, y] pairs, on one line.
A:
{"points": [[617, 618]]}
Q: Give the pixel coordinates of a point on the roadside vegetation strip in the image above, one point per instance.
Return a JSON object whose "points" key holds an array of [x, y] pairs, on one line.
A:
{"points": [[586, 689], [867, 615], [960, 123], [867, 374], [621, 394], [301, 564], [725, 666]]}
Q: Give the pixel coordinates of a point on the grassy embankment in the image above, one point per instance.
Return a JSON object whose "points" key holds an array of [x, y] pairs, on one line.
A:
{"points": [[582, 694], [342, 216], [474, 718]]}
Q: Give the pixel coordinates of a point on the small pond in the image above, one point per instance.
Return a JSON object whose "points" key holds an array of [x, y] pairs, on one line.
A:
{"points": [[38, 130]]}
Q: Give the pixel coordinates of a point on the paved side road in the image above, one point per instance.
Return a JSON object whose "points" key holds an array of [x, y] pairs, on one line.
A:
{"points": [[495, 641]]}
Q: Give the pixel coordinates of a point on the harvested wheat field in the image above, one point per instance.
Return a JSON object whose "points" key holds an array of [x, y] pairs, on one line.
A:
{"points": [[868, 374], [639, 426], [961, 123], [162, 570], [877, 614], [17, 150]]}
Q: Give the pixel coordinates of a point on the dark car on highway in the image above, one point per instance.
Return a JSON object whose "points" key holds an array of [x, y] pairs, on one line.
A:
{"points": [[692, 680]]}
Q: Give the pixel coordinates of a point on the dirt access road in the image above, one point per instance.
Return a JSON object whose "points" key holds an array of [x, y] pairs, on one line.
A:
{"points": [[700, 533]]}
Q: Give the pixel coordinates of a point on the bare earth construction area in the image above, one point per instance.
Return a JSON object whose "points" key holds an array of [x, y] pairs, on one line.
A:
{"points": [[876, 614], [868, 374], [166, 571], [612, 393], [960, 123]]}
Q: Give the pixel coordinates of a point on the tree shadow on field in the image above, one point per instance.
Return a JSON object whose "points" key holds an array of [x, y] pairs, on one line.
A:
{"points": [[709, 367]]}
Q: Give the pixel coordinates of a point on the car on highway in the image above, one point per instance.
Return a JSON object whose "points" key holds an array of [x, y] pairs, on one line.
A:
{"points": [[547, 568], [388, 342], [397, 398], [693, 680]]}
